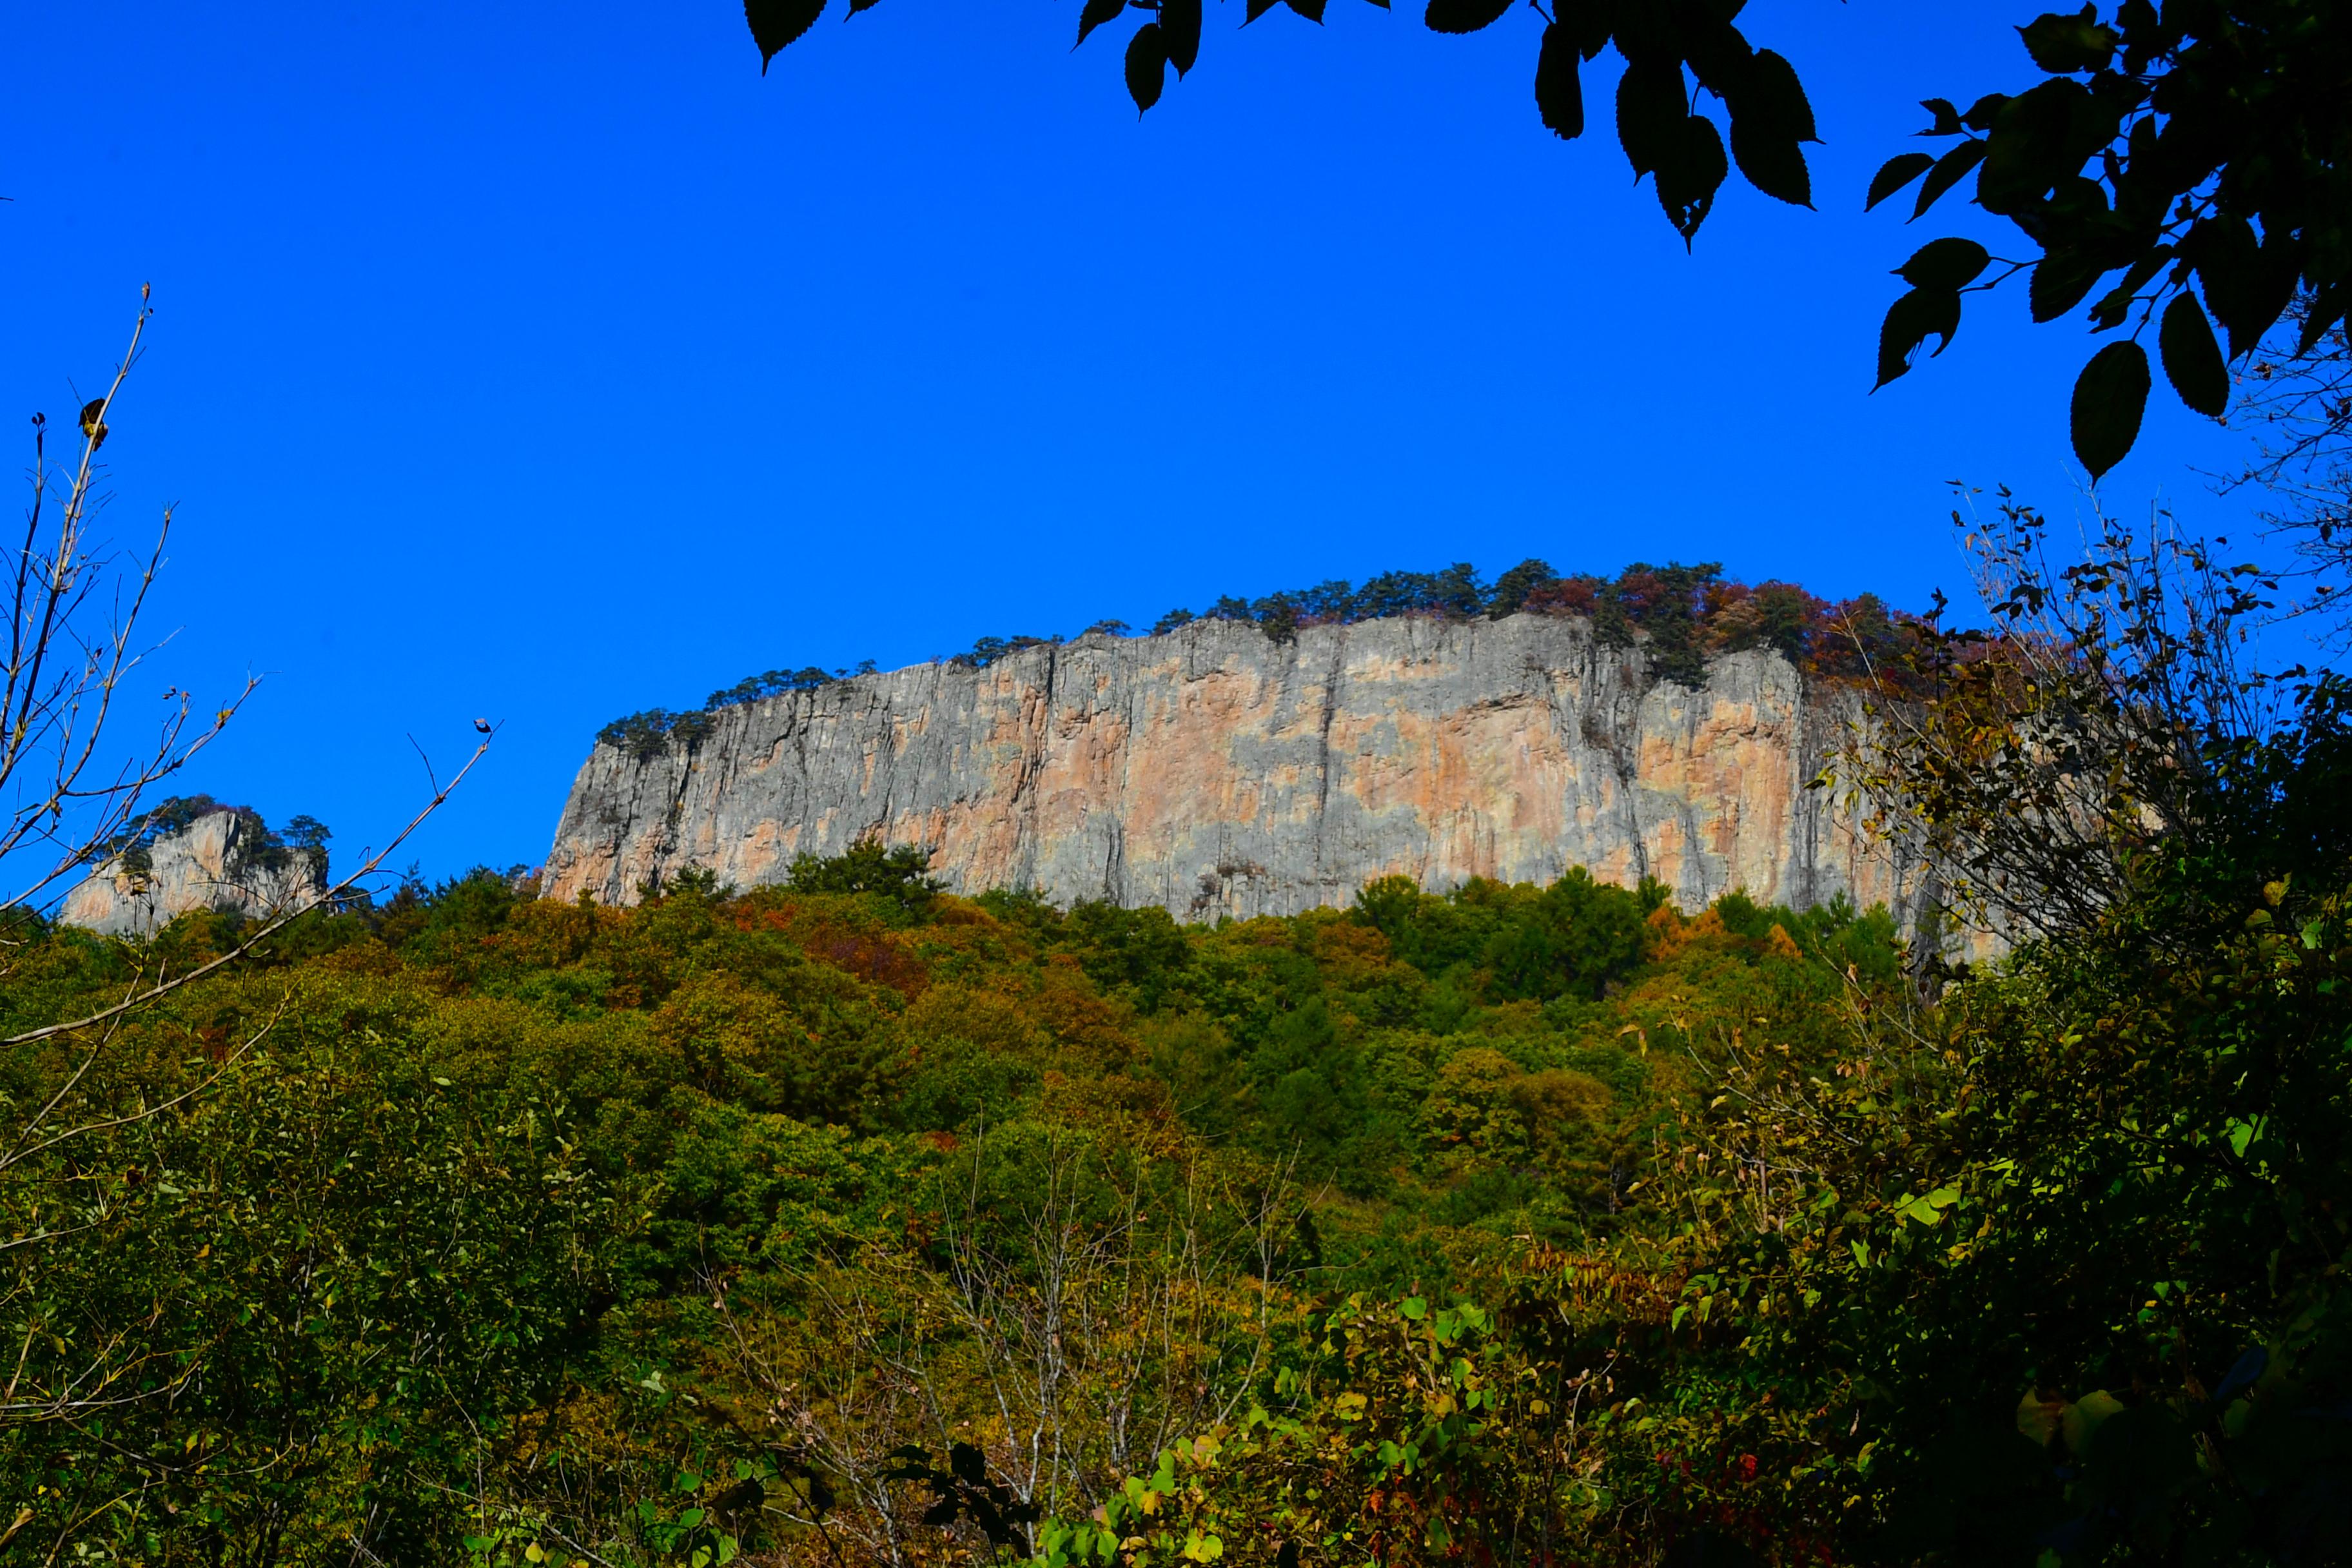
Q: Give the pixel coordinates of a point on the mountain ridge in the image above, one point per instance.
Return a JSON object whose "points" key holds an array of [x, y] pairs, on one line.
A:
{"points": [[1214, 770]]}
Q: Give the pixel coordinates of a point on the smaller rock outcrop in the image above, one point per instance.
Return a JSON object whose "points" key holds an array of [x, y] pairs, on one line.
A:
{"points": [[219, 858]]}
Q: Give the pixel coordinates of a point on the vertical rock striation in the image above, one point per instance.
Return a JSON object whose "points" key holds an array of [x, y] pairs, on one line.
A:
{"points": [[1213, 771], [217, 862]]}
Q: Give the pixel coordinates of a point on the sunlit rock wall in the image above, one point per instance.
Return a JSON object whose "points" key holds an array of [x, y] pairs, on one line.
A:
{"points": [[1213, 771], [208, 864]]}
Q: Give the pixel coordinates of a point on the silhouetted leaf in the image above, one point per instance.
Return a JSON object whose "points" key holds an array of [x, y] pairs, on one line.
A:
{"points": [[1181, 20], [776, 23], [1769, 89], [2041, 137], [1094, 14], [2327, 308], [1897, 173], [1645, 35], [2192, 360], [1947, 173], [1650, 113], [1310, 9], [1560, 92], [1586, 21], [858, 5], [1464, 16], [2058, 283], [2270, 290], [2135, 278], [1944, 264], [1909, 321], [1690, 175], [1774, 164], [1946, 118], [2110, 395], [2064, 44], [1723, 61], [2246, 286], [1981, 114], [1147, 65], [1258, 8]]}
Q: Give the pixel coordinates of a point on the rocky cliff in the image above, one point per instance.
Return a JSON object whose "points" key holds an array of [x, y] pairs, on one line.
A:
{"points": [[221, 860], [1214, 772]]}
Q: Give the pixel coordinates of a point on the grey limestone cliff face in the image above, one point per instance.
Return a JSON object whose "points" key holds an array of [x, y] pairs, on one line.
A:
{"points": [[209, 864], [1213, 771]]}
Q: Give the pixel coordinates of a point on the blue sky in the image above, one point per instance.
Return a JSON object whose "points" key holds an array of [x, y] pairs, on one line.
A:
{"points": [[548, 368]]}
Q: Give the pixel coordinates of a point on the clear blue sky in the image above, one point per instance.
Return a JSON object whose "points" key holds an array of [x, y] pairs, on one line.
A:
{"points": [[549, 362]]}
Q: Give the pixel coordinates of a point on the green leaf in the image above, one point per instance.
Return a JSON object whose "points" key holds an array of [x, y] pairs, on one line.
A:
{"points": [[1559, 93], [1948, 172], [1944, 264], [2192, 360], [1413, 1307], [2084, 1418], [2063, 45], [1909, 321], [1464, 16], [2110, 395], [1897, 173], [777, 23], [1180, 21], [1094, 14], [1147, 65]]}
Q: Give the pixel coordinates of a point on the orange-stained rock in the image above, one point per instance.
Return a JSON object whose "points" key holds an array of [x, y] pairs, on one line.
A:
{"points": [[1214, 772]]}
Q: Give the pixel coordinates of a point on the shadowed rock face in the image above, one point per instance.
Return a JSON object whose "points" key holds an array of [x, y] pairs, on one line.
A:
{"points": [[206, 864], [1213, 771]]}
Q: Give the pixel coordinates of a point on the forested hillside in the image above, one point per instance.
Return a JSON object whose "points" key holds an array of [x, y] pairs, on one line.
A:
{"points": [[852, 1222], [505, 1213], [849, 1221]]}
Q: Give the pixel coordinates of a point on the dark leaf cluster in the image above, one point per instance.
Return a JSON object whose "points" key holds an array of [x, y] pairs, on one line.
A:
{"points": [[2178, 168], [1673, 54]]}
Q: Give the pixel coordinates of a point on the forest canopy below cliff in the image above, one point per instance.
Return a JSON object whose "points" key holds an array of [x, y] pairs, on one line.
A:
{"points": [[1682, 616], [852, 1221]]}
